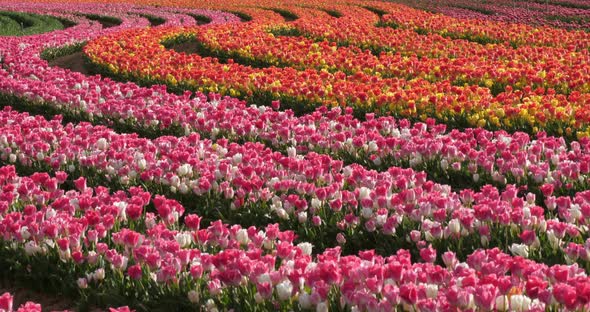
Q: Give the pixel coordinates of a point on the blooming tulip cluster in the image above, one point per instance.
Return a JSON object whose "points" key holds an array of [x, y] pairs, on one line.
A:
{"points": [[377, 142], [6, 305], [320, 199], [214, 203], [532, 95], [571, 14], [116, 244], [130, 15], [252, 42]]}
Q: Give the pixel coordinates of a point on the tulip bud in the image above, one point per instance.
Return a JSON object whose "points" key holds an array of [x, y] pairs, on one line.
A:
{"points": [[237, 158], [82, 283], [99, 274], [292, 152], [193, 296], [185, 169], [502, 303], [340, 239], [302, 217], [316, 203], [322, 307], [373, 147], [364, 193], [183, 239], [316, 220], [275, 105], [454, 226], [367, 213], [450, 259], [415, 236], [444, 164], [258, 298], [282, 213], [305, 301], [102, 144], [6, 302], [519, 303]]}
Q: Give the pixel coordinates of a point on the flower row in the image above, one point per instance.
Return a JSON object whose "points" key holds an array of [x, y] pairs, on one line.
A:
{"points": [[497, 31], [479, 155], [92, 232], [256, 42], [138, 54], [131, 15], [323, 201], [564, 14], [361, 31]]}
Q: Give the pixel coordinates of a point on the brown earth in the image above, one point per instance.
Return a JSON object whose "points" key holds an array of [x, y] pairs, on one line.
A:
{"points": [[74, 62], [189, 47], [49, 303]]}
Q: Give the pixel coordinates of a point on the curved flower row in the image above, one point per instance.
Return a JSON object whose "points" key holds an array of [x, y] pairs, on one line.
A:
{"points": [[131, 15], [317, 196], [89, 229], [497, 31], [255, 42], [501, 30], [478, 155], [458, 106], [358, 28], [564, 14], [320, 199]]}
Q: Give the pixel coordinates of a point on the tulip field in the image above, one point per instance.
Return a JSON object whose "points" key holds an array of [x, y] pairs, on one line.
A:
{"points": [[313, 155]]}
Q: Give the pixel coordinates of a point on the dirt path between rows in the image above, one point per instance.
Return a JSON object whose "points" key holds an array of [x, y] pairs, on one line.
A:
{"points": [[74, 62], [48, 302]]}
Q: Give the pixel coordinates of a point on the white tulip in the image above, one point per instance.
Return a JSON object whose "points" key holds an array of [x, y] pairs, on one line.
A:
{"points": [[431, 291], [520, 250], [306, 248], [193, 296], [284, 290], [185, 169], [242, 236], [305, 300], [102, 144]]}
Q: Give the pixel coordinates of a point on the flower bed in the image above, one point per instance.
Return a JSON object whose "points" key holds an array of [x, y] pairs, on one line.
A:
{"points": [[205, 202], [108, 242], [525, 98]]}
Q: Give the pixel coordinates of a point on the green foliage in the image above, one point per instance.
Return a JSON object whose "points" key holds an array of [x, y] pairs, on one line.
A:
{"points": [[53, 53], [24, 24], [106, 21], [243, 16], [474, 9], [287, 15], [285, 31], [154, 20], [375, 10], [332, 13], [201, 19]]}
